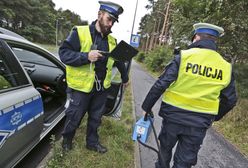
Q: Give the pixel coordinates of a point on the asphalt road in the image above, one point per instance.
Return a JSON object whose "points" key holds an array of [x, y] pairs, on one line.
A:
{"points": [[216, 152]]}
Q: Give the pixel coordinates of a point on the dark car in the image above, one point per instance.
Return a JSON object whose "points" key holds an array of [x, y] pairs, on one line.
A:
{"points": [[33, 96]]}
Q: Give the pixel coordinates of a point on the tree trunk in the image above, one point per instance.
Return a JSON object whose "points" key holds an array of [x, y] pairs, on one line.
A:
{"points": [[147, 43], [157, 33], [166, 30], [165, 21], [152, 37]]}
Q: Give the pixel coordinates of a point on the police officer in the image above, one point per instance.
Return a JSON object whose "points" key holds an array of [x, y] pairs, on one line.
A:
{"points": [[88, 74], [198, 88]]}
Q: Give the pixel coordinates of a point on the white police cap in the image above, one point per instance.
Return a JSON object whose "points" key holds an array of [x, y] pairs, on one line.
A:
{"points": [[112, 8], [208, 29]]}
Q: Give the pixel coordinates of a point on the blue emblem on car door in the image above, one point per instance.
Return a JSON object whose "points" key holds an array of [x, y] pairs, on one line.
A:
{"points": [[16, 117]]}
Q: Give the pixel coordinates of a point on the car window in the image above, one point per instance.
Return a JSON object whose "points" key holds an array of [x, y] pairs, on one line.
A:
{"points": [[11, 74], [29, 56]]}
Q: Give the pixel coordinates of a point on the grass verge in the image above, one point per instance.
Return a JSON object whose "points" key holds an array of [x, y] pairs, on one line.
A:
{"points": [[114, 134], [234, 126]]}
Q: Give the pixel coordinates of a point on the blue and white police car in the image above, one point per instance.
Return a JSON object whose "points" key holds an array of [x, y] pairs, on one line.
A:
{"points": [[33, 96]]}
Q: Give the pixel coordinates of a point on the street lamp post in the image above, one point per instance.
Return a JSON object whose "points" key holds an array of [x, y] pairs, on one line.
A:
{"points": [[134, 17], [129, 64], [56, 31]]}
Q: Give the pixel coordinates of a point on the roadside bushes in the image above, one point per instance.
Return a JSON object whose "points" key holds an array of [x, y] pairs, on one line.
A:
{"points": [[157, 59], [141, 56], [240, 72]]}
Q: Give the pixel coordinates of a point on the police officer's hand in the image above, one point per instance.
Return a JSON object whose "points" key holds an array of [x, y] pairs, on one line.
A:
{"points": [[125, 84], [148, 113], [94, 55]]}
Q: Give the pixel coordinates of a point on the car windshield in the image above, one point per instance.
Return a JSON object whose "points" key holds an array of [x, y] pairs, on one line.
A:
{"points": [[29, 56]]}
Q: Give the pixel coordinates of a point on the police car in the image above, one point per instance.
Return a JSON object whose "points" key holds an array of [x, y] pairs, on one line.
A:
{"points": [[33, 96]]}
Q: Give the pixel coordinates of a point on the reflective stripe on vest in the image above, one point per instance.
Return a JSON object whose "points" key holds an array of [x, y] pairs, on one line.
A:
{"points": [[82, 78], [203, 73]]}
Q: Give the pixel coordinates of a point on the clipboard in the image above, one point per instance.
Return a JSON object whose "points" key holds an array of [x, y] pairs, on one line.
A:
{"points": [[122, 52]]}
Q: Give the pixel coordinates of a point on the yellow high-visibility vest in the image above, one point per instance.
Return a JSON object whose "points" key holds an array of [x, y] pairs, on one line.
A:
{"points": [[203, 73], [82, 78]]}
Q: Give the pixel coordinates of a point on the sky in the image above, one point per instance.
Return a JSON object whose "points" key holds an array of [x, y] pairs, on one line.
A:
{"points": [[87, 10]]}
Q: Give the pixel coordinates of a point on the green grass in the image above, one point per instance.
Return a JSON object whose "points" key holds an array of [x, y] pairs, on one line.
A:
{"points": [[114, 134], [234, 126]]}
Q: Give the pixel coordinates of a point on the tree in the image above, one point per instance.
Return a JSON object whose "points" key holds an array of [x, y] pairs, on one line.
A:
{"points": [[36, 19], [223, 13]]}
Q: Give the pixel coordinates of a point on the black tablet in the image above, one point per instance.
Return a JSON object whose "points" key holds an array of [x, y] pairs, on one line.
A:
{"points": [[122, 52]]}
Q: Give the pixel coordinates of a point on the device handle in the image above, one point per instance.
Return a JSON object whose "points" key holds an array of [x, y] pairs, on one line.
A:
{"points": [[150, 114]]}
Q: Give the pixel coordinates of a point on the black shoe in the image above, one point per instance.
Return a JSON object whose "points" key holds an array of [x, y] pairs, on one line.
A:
{"points": [[67, 144], [98, 148]]}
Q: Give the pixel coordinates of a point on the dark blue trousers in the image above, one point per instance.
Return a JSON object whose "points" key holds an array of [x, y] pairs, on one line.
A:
{"points": [[80, 103], [188, 139]]}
